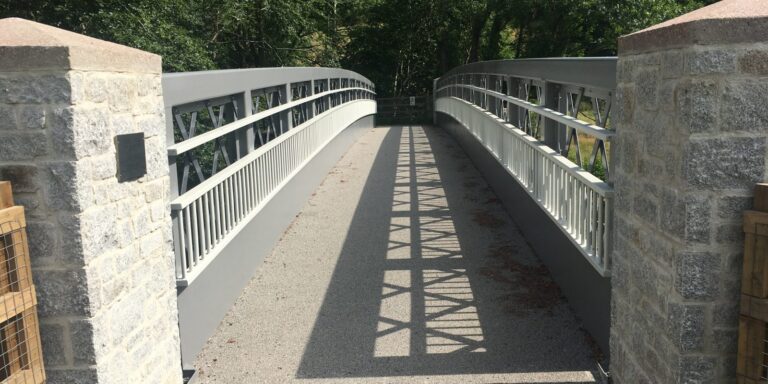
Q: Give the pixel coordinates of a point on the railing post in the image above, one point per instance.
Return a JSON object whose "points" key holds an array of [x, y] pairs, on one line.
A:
{"points": [[513, 111], [286, 119], [173, 176], [552, 135], [470, 91], [312, 108], [172, 160], [691, 143], [246, 138], [562, 129]]}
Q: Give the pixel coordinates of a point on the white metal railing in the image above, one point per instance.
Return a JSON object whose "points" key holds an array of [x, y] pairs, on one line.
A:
{"points": [[547, 121], [576, 200], [212, 213], [236, 137], [194, 142], [569, 121]]}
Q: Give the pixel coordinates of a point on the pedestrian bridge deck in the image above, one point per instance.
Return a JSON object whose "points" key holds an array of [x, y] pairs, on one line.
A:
{"points": [[403, 267]]}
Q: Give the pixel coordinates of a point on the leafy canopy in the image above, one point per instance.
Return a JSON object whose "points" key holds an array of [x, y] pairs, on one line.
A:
{"points": [[402, 45]]}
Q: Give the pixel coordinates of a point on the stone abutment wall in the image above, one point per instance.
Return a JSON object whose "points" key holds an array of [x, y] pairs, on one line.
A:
{"points": [[100, 248], [692, 130]]}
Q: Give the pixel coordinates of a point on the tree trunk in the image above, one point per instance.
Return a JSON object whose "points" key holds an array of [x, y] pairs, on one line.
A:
{"points": [[493, 47], [519, 42], [478, 22]]}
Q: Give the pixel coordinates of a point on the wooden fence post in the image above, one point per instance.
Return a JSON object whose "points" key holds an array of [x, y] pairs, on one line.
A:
{"points": [[20, 351], [752, 360]]}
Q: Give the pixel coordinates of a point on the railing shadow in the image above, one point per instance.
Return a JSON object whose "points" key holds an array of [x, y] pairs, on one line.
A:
{"points": [[419, 290]]}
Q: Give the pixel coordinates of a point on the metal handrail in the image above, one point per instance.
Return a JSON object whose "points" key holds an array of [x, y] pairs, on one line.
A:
{"points": [[303, 110], [560, 86], [214, 213], [188, 87], [499, 101], [570, 121], [591, 72], [199, 190], [192, 143]]}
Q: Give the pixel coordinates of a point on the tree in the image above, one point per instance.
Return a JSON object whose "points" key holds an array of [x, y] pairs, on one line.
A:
{"points": [[400, 44]]}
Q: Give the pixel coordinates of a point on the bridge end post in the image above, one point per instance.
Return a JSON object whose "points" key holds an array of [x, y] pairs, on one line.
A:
{"points": [[99, 226], [692, 133]]}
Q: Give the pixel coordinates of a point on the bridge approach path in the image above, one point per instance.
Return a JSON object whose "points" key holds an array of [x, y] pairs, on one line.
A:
{"points": [[403, 267]]}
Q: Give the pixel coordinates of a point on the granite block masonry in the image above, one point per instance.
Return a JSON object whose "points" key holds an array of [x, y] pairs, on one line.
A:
{"points": [[103, 265], [691, 96]]}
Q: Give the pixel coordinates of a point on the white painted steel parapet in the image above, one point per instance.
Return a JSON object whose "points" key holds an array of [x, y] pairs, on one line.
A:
{"points": [[579, 202], [213, 213]]}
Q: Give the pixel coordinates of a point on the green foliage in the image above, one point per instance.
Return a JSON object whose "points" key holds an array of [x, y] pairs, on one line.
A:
{"points": [[166, 27], [402, 45]]}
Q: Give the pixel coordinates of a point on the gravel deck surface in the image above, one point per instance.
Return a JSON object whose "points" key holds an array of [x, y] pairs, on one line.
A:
{"points": [[402, 268]]}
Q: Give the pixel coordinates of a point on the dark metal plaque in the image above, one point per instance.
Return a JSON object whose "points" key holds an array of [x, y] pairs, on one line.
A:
{"points": [[131, 157]]}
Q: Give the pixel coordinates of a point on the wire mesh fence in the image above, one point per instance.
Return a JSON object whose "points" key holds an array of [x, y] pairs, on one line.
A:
{"points": [[20, 351], [752, 360]]}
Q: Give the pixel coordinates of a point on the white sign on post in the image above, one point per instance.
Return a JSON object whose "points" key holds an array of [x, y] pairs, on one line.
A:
{"points": [[413, 101]]}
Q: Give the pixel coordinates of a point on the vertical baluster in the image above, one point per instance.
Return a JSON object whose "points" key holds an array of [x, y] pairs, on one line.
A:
{"points": [[293, 153], [289, 157], [579, 210], [283, 161], [206, 218], [242, 199], [551, 185], [274, 168], [263, 176], [608, 235], [576, 207], [189, 243], [572, 205], [236, 198], [268, 172], [248, 177], [594, 221], [601, 222], [194, 233], [583, 212], [585, 218], [252, 184], [558, 194], [537, 175], [256, 182], [229, 204], [561, 193], [590, 220], [280, 164], [223, 211], [217, 209], [588, 216], [238, 179], [247, 189], [183, 255]]}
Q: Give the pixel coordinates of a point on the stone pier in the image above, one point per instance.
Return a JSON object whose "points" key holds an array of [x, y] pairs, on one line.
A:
{"points": [[691, 143], [100, 245]]}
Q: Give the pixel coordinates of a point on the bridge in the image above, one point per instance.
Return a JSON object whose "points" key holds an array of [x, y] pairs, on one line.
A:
{"points": [[416, 261], [559, 220]]}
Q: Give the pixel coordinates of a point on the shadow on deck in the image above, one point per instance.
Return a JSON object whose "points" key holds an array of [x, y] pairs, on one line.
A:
{"points": [[435, 279]]}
